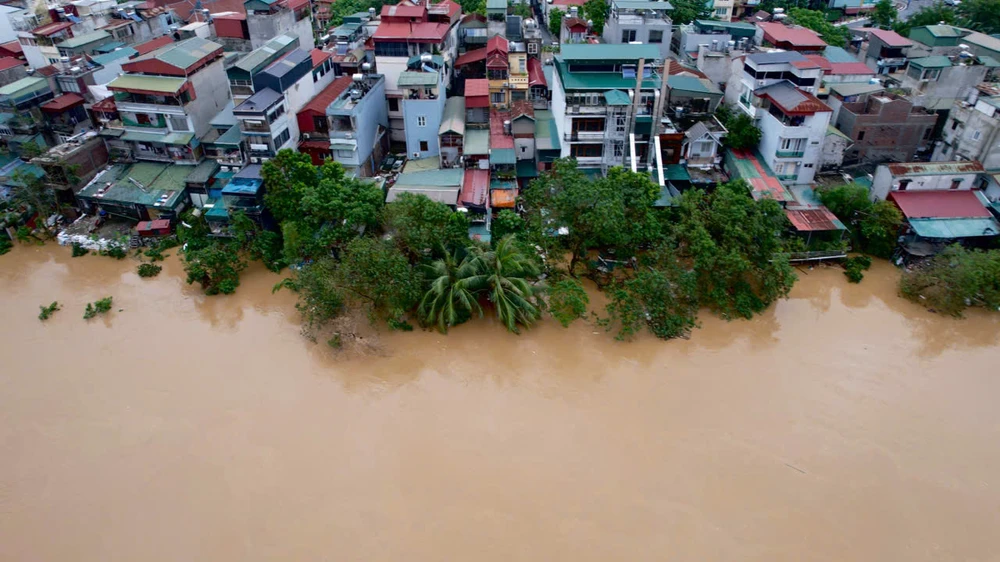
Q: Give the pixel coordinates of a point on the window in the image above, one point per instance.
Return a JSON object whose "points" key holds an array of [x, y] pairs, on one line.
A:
{"points": [[345, 153], [927, 133], [393, 104], [861, 135], [423, 146], [721, 12], [68, 86], [628, 35], [588, 125], [497, 97], [532, 48], [903, 184], [282, 138], [792, 145], [384, 49], [807, 165], [524, 149], [179, 124], [656, 36], [956, 183], [975, 135], [421, 120], [954, 124], [586, 150]]}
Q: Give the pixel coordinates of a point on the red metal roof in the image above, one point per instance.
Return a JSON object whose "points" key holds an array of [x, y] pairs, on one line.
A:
{"points": [[315, 145], [918, 168], [820, 218], [805, 64], [150, 46], [319, 56], [568, 3], [9, 62], [498, 60], [106, 105], [62, 103], [951, 204], [499, 138], [13, 48], [821, 62], [47, 71], [891, 38], [52, 28], [425, 31], [536, 76], [837, 68], [185, 8], [447, 6], [497, 43], [404, 10], [471, 57], [475, 187], [575, 23], [295, 4], [477, 87], [801, 37], [325, 98], [792, 100]]}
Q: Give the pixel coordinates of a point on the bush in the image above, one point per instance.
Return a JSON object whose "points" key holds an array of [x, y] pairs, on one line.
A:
{"points": [[79, 250], [47, 311], [149, 270], [853, 268], [5, 244], [115, 251], [154, 254], [954, 280], [98, 307]]}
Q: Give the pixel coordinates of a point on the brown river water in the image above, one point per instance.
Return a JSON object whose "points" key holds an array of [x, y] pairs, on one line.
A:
{"points": [[844, 424]]}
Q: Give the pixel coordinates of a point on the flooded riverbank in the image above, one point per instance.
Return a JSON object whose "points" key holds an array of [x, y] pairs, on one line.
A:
{"points": [[843, 424]]}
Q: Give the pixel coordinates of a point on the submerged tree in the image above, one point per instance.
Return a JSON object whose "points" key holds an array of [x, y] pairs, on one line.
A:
{"points": [[451, 296], [568, 301], [507, 276], [421, 225], [954, 280]]}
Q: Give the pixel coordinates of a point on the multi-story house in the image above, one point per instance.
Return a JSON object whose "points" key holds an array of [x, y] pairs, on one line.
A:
{"points": [[422, 106], [498, 70], [885, 128], [937, 82], [972, 129], [241, 75], [349, 123], [596, 92], [717, 36], [167, 99], [347, 43], [645, 21], [517, 58], [793, 123], [451, 133], [269, 18], [267, 118], [762, 69], [789, 37], [573, 30], [887, 51], [935, 39]]}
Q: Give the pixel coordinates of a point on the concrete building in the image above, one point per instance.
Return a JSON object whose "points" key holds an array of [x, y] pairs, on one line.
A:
{"points": [[645, 21], [851, 92], [937, 82], [241, 75], [267, 19], [933, 40], [887, 51], [972, 129], [926, 176], [716, 36], [885, 128], [758, 70], [422, 107], [167, 99], [348, 121]]}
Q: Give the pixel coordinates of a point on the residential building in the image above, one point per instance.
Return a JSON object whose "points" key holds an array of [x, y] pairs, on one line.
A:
{"points": [[538, 85], [224, 144], [850, 92], [141, 191], [232, 31], [12, 70], [573, 30], [926, 176], [851, 7], [347, 42], [645, 21], [938, 39], [982, 45], [564, 6], [269, 18], [166, 100], [8, 16], [716, 36], [603, 101], [835, 145], [451, 133], [477, 103], [532, 35], [972, 128], [702, 144], [887, 51], [498, 71], [71, 165], [937, 82], [348, 122], [241, 76], [793, 123], [789, 37], [323, 72], [266, 124], [406, 31], [472, 33], [885, 128], [422, 106], [758, 70], [423, 177], [517, 58]]}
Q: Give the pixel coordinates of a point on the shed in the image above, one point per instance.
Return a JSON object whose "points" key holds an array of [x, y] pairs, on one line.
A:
{"points": [[159, 227]]}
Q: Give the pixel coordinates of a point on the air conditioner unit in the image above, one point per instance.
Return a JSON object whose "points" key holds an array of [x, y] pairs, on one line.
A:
{"points": [[416, 155], [254, 160], [224, 168]]}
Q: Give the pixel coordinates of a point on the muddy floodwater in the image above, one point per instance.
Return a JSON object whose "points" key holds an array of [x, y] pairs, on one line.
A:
{"points": [[844, 424]]}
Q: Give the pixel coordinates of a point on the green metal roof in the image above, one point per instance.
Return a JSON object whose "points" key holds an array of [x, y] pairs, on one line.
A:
{"points": [[496, 4], [453, 117], [24, 86], [410, 78], [431, 178], [838, 54], [955, 228], [941, 30], [85, 39], [598, 80], [232, 137], [108, 47], [604, 52], [177, 139], [527, 169], [162, 84], [735, 29], [105, 59], [931, 62], [854, 89], [989, 61], [346, 29], [643, 5], [184, 53], [477, 142], [617, 97], [502, 156], [157, 180], [676, 172], [546, 132], [693, 84], [203, 172]]}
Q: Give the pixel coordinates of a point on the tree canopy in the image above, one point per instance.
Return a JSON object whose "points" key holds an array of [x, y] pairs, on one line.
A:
{"points": [[838, 36], [884, 14], [596, 11], [928, 15], [874, 226], [981, 15], [954, 280], [686, 11]]}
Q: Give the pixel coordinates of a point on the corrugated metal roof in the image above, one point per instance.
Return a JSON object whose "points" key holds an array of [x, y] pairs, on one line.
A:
{"points": [[163, 84], [891, 38], [477, 87], [643, 4], [790, 99], [107, 58], [934, 168], [931, 62], [411, 78], [955, 228], [24, 85], [838, 54], [608, 52], [546, 131], [496, 5], [183, 54], [475, 188], [502, 156], [857, 68], [451, 177], [264, 55], [749, 166], [942, 30], [857, 88], [813, 220], [693, 84], [85, 39], [794, 35], [472, 56], [177, 139], [259, 102], [939, 204], [477, 142], [983, 40], [776, 57], [285, 65], [617, 97], [453, 116]]}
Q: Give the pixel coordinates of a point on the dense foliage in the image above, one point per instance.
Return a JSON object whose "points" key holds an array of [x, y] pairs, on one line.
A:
{"points": [[837, 36], [102, 306], [686, 11], [954, 280], [596, 12], [149, 270], [568, 301], [743, 133], [47, 311], [555, 22], [855, 267], [874, 226], [981, 15], [662, 296], [933, 14], [884, 14]]}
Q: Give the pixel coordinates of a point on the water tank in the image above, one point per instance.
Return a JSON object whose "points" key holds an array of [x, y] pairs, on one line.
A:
{"points": [[358, 77], [371, 12], [426, 57], [779, 10], [367, 67]]}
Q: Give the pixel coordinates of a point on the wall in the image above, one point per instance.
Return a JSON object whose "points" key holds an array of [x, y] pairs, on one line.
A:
{"points": [[559, 111], [717, 66], [7, 32], [834, 146], [960, 143], [12, 75], [33, 54], [431, 110], [813, 129], [613, 31], [368, 115], [891, 133], [954, 83], [211, 86], [263, 28], [884, 182]]}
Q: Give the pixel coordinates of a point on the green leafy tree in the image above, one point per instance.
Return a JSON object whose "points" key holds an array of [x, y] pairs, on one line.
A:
{"points": [[473, 6], [733, 245], [596, 11], [31, 150], [421, 225], [847, 201], [377, 276], [46, 312], [568, 301], [884, 14], [816, 21], [981, 15], [928, 15], [664, 300], [506, 274], [686, 11], [287, 175], [954, 280], [451, 298], [555, 22], [320, 297], [743, 133], [216, 267], [522, 10], [874, 227], [507, 222], [880, 229], [34, 194]]}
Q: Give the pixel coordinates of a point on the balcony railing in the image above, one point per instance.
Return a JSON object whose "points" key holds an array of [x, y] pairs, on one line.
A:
{"points": [[586, 110], [790, 153], [897, 61], [250, 127], [583, 135]]}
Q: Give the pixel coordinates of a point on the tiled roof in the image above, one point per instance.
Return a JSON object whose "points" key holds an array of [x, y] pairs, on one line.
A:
{"points": [[536, 76], [790, 99], [319, 56], [793, 35], [469, 57], [497, 43]]}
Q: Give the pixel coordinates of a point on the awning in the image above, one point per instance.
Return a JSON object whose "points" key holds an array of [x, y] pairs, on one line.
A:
{"points": [[812, 220], [955, 228], [503, 198], [527, 169], [503, 156], [179, 139]]}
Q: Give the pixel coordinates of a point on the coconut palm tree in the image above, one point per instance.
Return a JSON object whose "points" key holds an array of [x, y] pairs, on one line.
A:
{"points": [[451, 295], [504, 273]]}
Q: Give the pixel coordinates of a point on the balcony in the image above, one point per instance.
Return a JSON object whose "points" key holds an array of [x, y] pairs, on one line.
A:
{"points": [[640, 20], [586, 110], [895, 61], [137, 107], [248, 126], [159, 122], [584, 136], [790, 154]]}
